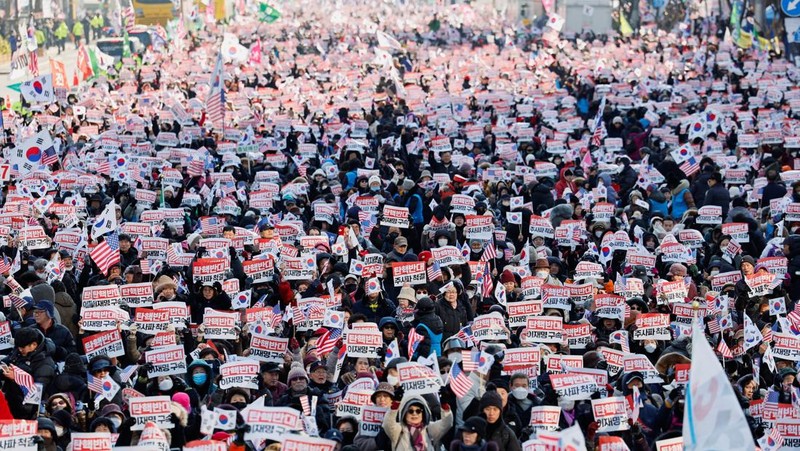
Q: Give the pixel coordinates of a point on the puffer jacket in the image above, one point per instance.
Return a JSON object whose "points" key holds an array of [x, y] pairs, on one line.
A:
{"points": [[500, 433], [40, 365], [400, 434]]}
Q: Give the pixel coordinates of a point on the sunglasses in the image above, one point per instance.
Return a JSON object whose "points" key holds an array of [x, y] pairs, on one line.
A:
{"points": [[415, 411], [636, 307]]}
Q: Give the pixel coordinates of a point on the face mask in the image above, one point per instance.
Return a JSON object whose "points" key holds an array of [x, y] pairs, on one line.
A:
{"points": [[374, 189], [199, 378], [454, 357], [348, 437], [470, 293], [650, 347], [392, 380], [420, 296], [350, 288], [117, 422], [599, 233], [542, 274], [165, 385], [59, 431], [442, 242], [519, 393], [239, 405], [566, 404]]}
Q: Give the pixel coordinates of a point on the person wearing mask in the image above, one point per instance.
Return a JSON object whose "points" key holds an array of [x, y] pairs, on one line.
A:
{"points": [[451, 310], [201, 379], [44, 315], [409, 426], [522, 400]]}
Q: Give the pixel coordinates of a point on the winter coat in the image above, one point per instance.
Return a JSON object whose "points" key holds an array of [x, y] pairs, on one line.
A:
{"points": [[432, 322], [400, 434], [500, 433], [40, 365], [718, 195], [67, 310], [457, 445], [323, 414], [62, 338], [453, 319]]}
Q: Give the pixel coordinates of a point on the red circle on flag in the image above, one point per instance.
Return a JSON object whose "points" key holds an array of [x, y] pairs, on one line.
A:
{"points": [[33, 154]]}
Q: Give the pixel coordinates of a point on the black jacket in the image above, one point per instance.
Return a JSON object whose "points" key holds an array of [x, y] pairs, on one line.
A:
{"points": [[718, 195], [773, 190], [432, 322], [323, 414], [62, 338], [501, 434], [453, 319], [40, 365]]}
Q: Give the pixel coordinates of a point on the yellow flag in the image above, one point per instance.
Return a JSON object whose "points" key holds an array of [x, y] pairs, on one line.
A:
{"points": [[624, 27]]}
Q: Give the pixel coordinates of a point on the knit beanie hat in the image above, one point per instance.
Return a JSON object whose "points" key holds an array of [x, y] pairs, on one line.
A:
{"points": [[297, 371], [491, 399]]}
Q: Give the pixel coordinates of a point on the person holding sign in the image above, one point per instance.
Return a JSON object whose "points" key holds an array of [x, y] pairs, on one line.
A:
{"points": [[409, 425], [32, 354], [298, 388]]}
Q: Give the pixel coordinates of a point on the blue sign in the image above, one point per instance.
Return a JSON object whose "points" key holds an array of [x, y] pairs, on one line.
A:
{"points": [[791, 7]]}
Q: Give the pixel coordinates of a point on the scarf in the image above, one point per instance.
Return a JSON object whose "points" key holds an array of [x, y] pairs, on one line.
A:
{"points": [[417, 440]]}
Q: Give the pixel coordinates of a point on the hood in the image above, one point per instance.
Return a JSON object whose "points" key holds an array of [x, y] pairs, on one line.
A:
{"points": [[560, 213], [793, 242], [562, 171], [64, 300], [656, 196], [682, 185], [201, 364], [408, 401]]}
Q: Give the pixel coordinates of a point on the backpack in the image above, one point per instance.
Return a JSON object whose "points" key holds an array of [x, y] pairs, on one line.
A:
{"points": [[436, 340]]}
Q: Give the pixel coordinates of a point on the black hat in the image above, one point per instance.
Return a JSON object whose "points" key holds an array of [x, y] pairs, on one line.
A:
{"points": [[425, 305], [475, 424], [491, 399], [270, 367]]}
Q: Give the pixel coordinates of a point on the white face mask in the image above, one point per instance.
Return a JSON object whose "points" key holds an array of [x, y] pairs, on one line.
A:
{"points": [[650, 347], [420, 296], [542, 274], [442, 242], [714, 272], [519, 393], [454, 357], [599, 233], [117, 422], [566, 404], [392, 380], [165, 385], [59, 431]]}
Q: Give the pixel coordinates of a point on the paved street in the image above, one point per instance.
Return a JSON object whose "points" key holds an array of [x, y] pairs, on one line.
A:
{"points": [[68, 56]]}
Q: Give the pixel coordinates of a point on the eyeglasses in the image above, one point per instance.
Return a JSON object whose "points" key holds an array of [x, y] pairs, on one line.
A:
{"points": [[636, 307], [415, 411]]}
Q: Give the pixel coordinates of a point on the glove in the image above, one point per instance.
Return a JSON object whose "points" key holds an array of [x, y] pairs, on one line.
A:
{"points": [[446, 407], [395, 405]]}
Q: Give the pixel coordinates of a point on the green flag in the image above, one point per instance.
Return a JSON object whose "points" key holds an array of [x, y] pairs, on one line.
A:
{"points": [[126, 45], [268, 13]]}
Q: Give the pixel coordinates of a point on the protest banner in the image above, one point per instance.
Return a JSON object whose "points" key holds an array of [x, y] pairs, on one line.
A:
{"points": [[578, 335], [786, 346], [561, 363], [519, 312], [107, 343], [151, 321], [489, 327], [208, 270], [522, 359], [155, 409], [447, 256], [709, 214], [574, 387], [371, 420], [543, 329], [364, 342], [611, 414], [294, 442], [301, 268], [545, 418], [609, 306], [479, 227], [652, 326], [270, 423], [268, 349], [100, 296], [166, 361], [555, 296], [412, 273], [395, 216], [18, 434], [136, 294], [640, 363], [260, 270], [91, 441], [103, 318], [531, 287], [178, 312], [417, 379], [739, 231], [163, 339], [242, 373], [220, 325]]}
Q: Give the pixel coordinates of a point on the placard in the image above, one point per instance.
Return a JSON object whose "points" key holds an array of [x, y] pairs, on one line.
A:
{"points": [[652, 326], [151, 321], [519, 312], [395, 217], [94, 441], [166, 361], [18, 434], [107, 343], [242, 373], [573, 387], [543, 329], [611, 414], [220, 325], [268, 349], [371, 420], [491, 326], [270, 423], [418, 379], [412, 273], [136, 294], [156, 409], [545, 418], [100, 296]]}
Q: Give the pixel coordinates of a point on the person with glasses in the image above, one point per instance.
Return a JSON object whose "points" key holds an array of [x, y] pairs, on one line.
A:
{"points": [[409, 425]]}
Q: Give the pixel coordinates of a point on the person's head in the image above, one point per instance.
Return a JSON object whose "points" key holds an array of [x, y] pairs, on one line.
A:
{"points": [[47, 430], [59, 401], [199, 373], [787, 377], [43, 313], [297, 378], [748, 265], [450, 293], [519, 386], [415, 413], [27, 340], [749, 386], [229, 232], [542, 268], [165, 383], [239, 398], [362, 365], [677, 272], [388, 326], [270, 373], [473, 431], [401, 245], [124, 242], [208, 292], [508, 280], [491, 405], [384, 395], [318, 372], [668, 224]]}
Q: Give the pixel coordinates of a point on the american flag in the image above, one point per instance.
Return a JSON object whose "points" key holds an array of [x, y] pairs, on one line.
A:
{"points": [[215, 103], [367, 221], [690, 166], [125, 374], [210, 225], [766, 332], [487, 283], [23, 379], [306, 405], [104, 168], [95, 384], [49, 156], [297, 316], [33, 64], [5, 265], [17, 301], [599, 128], [470, 359], [414, 339], [460, 383], [277, 316], [713, 326], [327, 342], [724, 350], [465, 335], [196, 167], [106, 253], [794, 320], [773, 441], [434, 271], [489, 253]]}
